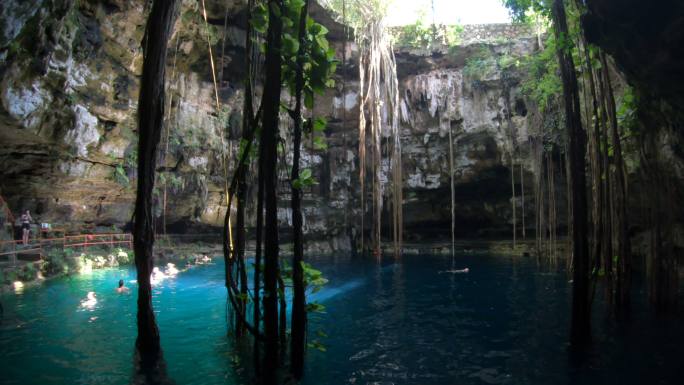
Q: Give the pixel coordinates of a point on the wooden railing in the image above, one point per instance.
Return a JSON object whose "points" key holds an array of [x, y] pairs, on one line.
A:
{"points": [[83, 241]]}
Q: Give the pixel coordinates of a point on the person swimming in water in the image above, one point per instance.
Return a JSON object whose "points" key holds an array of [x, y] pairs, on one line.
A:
{"points": [[456, 271], [122, 288], [157, 276], [171, 270], [90, 300]]}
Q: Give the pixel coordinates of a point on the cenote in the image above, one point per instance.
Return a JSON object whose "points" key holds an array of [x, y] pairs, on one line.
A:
{"points": [[330, 192], [390, 322]]}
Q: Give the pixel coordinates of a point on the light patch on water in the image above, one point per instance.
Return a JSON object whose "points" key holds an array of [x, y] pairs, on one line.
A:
{"points": [[330, 293]]}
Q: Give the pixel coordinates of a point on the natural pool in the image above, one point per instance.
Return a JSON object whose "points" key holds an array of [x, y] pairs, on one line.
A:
{"points": [[390, 322]]}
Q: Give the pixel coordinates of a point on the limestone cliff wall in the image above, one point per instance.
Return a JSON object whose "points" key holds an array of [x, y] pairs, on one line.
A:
{"points": [[69, 73]]}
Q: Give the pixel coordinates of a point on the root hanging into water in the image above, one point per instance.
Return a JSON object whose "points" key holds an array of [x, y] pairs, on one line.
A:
{"points": [[379, 88], [453, 203]]}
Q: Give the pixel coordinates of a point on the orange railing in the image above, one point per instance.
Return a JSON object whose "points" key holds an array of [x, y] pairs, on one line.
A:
{"points": [[85, 240], [12, 254], [68, 241]]}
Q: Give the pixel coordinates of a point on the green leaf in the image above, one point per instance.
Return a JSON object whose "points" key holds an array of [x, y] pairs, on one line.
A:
{"points": [[315, 307], [317, 345], [322, 30], [320, 143], [295, 5], [259, 19], [320, 124], [290, 45], [308, 99]]}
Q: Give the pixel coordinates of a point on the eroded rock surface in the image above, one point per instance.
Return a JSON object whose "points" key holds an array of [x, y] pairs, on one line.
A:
{"points": [[69, 73]]}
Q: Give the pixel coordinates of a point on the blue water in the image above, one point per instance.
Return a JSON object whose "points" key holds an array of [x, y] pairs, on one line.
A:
{"points": [[391, 322]]}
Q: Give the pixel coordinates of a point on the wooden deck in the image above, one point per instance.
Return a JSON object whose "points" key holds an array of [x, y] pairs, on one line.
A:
{"points": [[13, 251]]}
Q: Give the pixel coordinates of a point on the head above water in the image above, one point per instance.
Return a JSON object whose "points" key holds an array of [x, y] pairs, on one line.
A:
{"points": [[121, 283]]}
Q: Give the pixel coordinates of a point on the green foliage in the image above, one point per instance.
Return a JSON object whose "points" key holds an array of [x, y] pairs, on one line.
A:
{"points": [[354, 13], [481, 64], [119, 175], [253, 150], [55, 263], [522, 10], [316, 130], [453, 34], [507, 62], [174, 181], [316, 344], [28, 273], [131, 158], [305, 179], [9, 276], [194, 16], [542, 83], [192, 139], [627, 111], [414, 35], [418, 35], [318, 57], [313, 279], [319, 143]]}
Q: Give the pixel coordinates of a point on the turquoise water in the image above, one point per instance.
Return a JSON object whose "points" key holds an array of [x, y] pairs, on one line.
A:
{"points": [[394, 322]]}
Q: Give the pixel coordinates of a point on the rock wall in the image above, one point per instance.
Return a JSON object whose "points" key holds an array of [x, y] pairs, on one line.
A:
{"points": [[487, 117], [69, 73], [493, 33]]}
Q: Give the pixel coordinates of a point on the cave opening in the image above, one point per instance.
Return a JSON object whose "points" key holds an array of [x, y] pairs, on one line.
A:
{"points": [[287, 184]]}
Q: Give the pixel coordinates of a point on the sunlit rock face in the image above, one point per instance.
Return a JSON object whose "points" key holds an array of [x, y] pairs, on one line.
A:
{"points": [[69, 78], [441, 98]]}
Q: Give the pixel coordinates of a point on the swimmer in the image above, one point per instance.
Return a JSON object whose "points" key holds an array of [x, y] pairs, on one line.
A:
{"points": [[122, 288], [197, 260], [206, 259], [90, 300], [157, 276], [456, 271], [171, 270]]}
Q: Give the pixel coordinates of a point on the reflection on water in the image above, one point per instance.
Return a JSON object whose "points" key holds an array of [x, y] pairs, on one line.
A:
{"points": [[150, 370], [392, 322]]}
